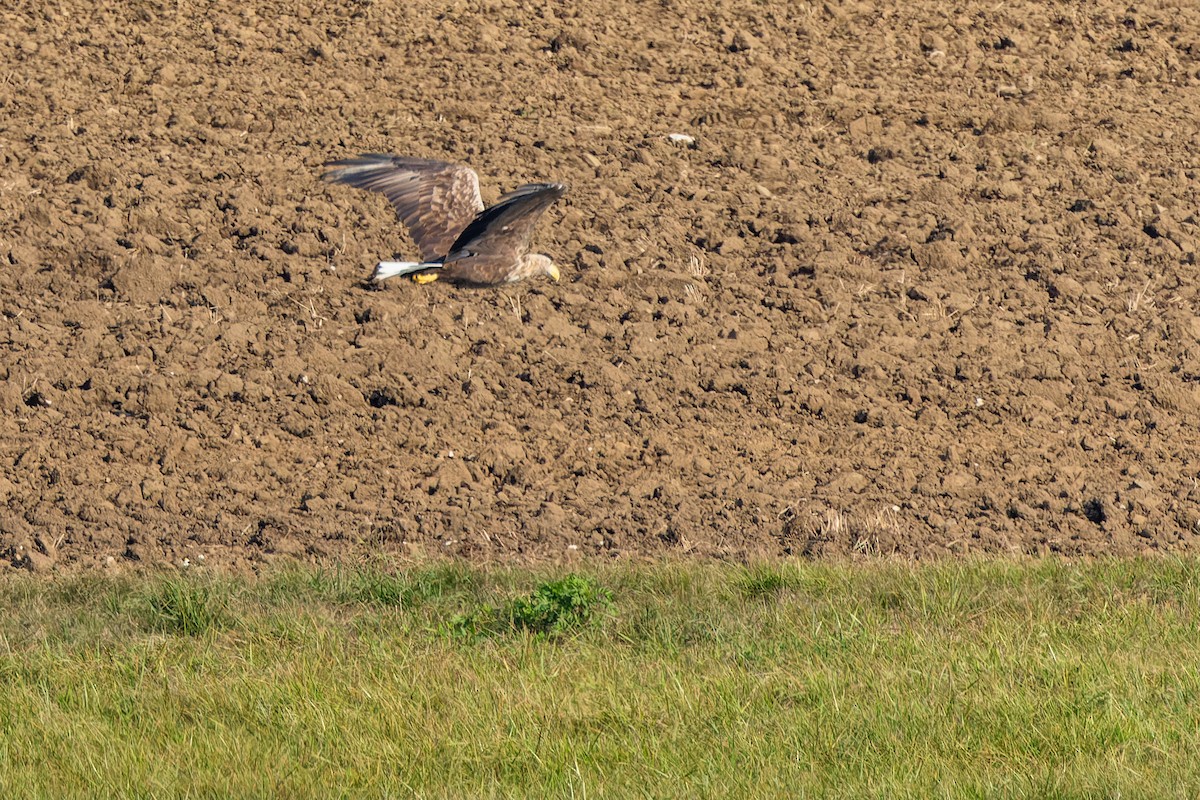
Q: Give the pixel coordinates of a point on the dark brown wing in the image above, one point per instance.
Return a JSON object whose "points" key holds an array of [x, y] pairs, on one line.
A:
{"points": [[435, 200], [500, 233]]}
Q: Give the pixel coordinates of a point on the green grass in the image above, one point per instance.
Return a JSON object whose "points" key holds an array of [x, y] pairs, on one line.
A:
{"points": [[1044, 679]]}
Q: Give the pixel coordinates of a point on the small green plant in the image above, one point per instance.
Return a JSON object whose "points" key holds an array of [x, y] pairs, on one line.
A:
{"points": [[187, 608], [560, 606], [554, 608]]}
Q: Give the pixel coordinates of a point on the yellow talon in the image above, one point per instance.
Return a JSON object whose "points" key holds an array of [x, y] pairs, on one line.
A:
{"points": [[425, 277]]}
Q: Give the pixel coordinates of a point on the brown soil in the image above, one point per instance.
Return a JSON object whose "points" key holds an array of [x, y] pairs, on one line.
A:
{"points": [[924, 283]]}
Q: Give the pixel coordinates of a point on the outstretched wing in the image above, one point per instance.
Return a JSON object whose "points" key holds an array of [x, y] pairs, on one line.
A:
{"points": [[501, 232], [435, 200]]}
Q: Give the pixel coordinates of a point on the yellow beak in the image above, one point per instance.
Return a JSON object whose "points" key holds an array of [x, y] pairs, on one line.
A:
{"points": [[552, 271]]}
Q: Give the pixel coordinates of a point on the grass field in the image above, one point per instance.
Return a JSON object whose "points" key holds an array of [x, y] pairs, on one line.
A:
{"points": [[1040, 679]]}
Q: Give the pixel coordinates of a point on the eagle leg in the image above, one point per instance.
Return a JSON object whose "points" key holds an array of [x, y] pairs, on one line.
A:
{"points": [[425, 277]]}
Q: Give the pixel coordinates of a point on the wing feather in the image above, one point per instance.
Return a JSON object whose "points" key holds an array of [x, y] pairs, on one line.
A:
{"points": [[503, 230], [435, 200]]}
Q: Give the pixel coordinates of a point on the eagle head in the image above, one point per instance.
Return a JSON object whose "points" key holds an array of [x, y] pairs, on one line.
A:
{"points": [[533, 264]]}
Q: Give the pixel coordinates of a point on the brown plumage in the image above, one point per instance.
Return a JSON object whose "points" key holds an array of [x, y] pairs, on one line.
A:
{"points": [[459, 239]]}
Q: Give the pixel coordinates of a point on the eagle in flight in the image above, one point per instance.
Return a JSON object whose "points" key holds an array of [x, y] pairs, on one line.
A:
{"points": [[459, 239]]}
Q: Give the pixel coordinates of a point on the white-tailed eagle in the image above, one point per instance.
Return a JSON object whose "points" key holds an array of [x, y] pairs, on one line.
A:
{"points": [[459, 239]]}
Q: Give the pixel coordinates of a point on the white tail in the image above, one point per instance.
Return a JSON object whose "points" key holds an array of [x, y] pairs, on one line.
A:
{"points": [[390, 269]]}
